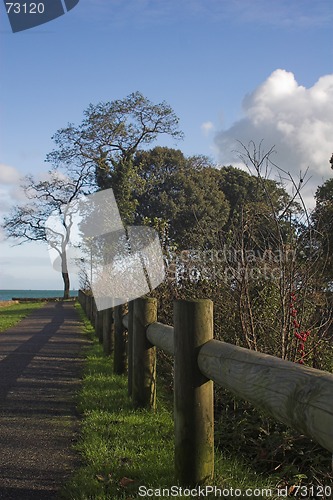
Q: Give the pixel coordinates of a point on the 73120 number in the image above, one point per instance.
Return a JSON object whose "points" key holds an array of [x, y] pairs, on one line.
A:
{"points": [[25, 8]]}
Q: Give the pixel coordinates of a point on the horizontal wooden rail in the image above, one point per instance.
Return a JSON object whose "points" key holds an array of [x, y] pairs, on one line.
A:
{"points": [[296, 395], [162, 336]]}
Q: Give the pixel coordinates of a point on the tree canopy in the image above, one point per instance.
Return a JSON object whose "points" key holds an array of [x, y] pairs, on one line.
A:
{"points": [[107, 139], [322, 220], [183, 193]]}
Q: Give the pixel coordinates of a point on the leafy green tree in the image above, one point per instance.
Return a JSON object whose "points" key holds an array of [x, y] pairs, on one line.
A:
{"points": [[183, 192], [253, 201], [322, 219], [108, 138]]}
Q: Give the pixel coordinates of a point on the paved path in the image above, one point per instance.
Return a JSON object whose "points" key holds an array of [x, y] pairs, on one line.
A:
{"points": [[40, 368]]}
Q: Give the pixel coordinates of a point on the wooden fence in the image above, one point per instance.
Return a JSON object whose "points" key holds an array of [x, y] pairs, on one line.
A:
{"points": [[294, 394]]}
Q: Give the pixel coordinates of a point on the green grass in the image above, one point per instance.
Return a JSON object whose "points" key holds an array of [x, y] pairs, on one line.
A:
{"points": [[12, 314], [122, 448]]}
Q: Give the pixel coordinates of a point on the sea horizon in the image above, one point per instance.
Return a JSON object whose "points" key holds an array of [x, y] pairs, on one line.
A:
{"points": [[10, 293]]}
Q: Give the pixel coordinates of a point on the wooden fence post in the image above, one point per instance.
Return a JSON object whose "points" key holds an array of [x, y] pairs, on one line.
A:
{"points": [[108, 331], [86, 304], [119, 360], [130, 346], [91, 316], [93, 313], [193, 394], [89, 307], [144, 354], [83, 301], [99, 318]]}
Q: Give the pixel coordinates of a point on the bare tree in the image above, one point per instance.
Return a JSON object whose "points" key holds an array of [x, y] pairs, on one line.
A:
{"points": [[47, 197]]}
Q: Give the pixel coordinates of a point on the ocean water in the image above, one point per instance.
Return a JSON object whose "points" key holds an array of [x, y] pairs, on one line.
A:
{"points": [[35, 294]]}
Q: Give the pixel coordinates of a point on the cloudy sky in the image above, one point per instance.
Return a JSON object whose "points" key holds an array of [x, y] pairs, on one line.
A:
{"points": [[233, 70]]}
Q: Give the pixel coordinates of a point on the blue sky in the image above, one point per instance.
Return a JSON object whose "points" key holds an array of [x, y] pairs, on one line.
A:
{"points": [[233, 69]]}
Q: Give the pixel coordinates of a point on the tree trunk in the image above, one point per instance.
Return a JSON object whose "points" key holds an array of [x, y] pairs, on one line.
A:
{"points": [[65, 277], [64, 270]]}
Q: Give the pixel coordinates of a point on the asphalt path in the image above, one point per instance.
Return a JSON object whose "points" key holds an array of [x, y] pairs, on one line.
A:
{"points": [[41, 363]]}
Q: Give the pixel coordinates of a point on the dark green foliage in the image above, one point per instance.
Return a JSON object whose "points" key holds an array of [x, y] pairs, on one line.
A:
{"points": [[183, 193], [253, 202], [199, 202], [322, 218]]}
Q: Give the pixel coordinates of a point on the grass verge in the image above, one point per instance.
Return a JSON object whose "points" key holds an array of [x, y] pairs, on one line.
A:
{"points": [[123, 449], [12, 314]]}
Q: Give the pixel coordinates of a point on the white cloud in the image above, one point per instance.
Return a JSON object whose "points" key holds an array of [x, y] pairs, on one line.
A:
{"points": [[207, 127], [296, 120], [8, 175], [2, 234], [10, 192]]}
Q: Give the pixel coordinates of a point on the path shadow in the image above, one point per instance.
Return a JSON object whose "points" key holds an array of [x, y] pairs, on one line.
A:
{"points": [[13, 365]]}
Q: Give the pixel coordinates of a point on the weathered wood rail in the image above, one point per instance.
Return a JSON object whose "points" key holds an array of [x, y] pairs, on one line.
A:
{"points": [[299, 396]]}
